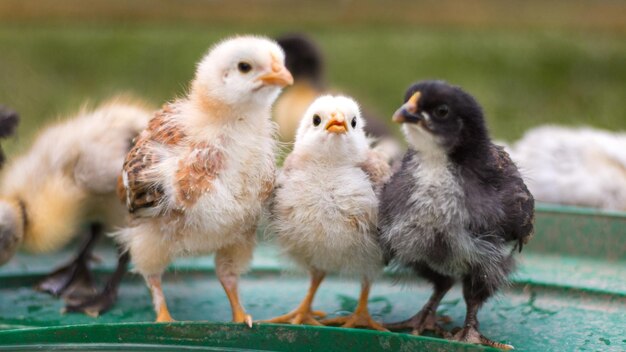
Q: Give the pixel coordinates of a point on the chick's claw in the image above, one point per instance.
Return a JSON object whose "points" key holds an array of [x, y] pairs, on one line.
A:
{"points": [[319, 313], [470, 334], [243, 318]]}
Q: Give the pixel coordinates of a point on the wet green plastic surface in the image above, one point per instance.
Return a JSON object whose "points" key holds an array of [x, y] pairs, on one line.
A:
{"points": [[569, 294]]}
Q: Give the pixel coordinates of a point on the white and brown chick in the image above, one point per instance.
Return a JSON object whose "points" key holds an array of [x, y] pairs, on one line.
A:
{"points": [[196, 179], [457, 209], [66, 179], [324, 210]]}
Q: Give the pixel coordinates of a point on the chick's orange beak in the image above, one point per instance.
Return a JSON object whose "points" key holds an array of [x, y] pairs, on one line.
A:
{"points": [[407, 112], [337, 123], [279, 76]]}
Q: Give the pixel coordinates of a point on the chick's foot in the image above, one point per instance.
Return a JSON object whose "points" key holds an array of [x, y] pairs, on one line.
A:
{"points": [[96, 304], [304, 314], [90, 305], [361, 317], [71, 279], [355, 320], [470, 334], [75, 277], [424, 320], [299, 316]]}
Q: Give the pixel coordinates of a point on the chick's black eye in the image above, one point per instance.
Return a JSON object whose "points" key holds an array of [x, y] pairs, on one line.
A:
{"points": [[353, 123], [316, 120], [244, 67], [442, 111]]}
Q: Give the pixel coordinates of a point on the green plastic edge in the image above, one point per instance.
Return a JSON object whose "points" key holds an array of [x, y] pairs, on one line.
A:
{"points": [[224, 336]]}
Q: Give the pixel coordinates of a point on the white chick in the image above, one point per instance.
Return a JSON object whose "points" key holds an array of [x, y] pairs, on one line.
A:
{"points": [[196, 180], [574, 166], [65, 179], [325, 207]]}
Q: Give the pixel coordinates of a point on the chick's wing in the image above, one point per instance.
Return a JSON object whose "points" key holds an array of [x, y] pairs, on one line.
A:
{"points": [[143, 186], [519, 204], [377, 169]]}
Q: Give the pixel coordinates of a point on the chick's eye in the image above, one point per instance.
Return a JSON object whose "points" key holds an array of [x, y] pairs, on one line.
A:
{"points": [[353, 122], [316, 120], [244, 67], [442, 111]]}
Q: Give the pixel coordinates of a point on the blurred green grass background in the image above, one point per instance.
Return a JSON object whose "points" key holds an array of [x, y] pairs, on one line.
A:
{"points": [[531, 64]]}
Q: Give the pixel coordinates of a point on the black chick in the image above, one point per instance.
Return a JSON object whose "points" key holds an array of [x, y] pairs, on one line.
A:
{"points": [[304, 60], [457, 209]]}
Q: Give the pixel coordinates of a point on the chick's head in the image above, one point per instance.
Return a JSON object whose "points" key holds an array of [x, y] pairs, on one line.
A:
{"points": [[243, 72], [332, 130], [438, 117]]}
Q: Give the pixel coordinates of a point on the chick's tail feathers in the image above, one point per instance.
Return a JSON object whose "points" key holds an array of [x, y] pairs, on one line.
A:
{"points": [[149, 251], [9, 120]]}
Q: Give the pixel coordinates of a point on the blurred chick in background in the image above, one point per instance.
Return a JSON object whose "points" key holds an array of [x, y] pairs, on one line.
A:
{"points": [[66, 179], [9, 240], [305, 61], [458, 208], [325, 207], [9, 120], [574, 166], [196, 179]]}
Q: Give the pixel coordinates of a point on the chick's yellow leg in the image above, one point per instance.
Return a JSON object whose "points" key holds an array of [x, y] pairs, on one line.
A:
{"points": [[229, 263], [361, 316], [303, 314], [158, 298]]}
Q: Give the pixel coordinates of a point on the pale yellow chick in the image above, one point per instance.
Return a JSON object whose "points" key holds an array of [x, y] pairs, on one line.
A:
{"points": [[66, 179]]}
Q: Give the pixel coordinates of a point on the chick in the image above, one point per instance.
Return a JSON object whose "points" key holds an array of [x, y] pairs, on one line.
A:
{"points": [[197, 177], [305, 61], [574, 166], [458, 207], [68, 178], [324, 211]]}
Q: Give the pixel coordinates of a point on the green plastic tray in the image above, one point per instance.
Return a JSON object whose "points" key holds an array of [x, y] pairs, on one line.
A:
{"points": [[569, 294]]}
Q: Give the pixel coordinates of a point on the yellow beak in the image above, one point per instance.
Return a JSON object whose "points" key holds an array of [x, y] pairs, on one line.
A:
{"points": [[409, 107], [337, 123], [279, 76]]}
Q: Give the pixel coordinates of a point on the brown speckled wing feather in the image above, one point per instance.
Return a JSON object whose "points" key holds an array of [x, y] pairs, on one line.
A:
{"points": [[142, 190], [197, 171]]}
